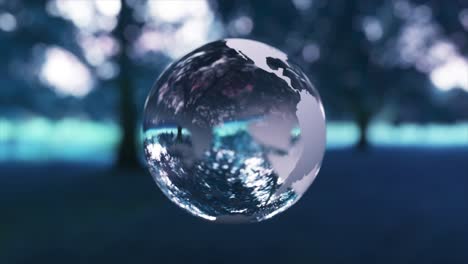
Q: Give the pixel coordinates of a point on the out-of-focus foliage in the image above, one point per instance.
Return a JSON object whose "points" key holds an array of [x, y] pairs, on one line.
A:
{"points": [[369, 58], [395, 60]]}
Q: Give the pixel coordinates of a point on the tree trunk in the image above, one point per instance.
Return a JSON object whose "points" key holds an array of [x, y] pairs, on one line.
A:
{"points": [[127, 153], [363, 124], [179, 133]]}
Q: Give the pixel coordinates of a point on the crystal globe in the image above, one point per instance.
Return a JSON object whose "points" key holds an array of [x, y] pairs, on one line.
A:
{"points": [[234, 131]]}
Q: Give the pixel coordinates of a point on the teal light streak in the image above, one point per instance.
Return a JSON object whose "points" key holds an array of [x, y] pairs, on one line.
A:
{"points": [[40, 139]]}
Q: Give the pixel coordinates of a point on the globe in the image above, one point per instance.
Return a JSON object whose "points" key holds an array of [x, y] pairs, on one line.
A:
{"points": [[234, 132]]}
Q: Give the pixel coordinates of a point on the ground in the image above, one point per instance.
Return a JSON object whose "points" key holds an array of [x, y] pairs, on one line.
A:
{"points": [[385, 206]]}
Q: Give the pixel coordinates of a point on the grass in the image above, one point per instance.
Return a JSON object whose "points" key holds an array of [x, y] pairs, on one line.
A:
{"points": [[390, 205]]}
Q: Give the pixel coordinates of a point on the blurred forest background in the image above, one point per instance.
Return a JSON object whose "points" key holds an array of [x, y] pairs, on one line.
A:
{"points": [[393, 76], [75, 73]]}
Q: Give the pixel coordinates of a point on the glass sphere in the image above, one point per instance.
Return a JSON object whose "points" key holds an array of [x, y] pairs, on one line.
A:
{"points": [[234, 131]]}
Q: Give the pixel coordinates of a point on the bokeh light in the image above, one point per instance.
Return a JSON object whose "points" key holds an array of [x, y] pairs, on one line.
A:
{"points": [[65, 73], [74, 54]]}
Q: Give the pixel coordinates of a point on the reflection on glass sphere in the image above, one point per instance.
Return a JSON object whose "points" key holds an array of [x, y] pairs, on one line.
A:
{"points": [[234, 131]]}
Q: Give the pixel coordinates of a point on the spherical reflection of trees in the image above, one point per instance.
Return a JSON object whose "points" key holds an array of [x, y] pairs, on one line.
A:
{"points": [[219, 127]]}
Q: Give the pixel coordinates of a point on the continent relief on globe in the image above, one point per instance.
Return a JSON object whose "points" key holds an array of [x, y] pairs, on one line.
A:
{"points": [[247, 131]]}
